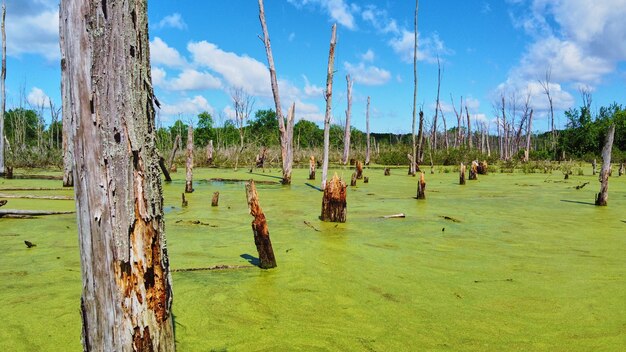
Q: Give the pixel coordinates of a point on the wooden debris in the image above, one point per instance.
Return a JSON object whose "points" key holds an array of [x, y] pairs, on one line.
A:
{"points": [[581, 186], [449, 218], [218, 179], [30, 196], [189, 164], [462, 174], [334, 204], [311, 226], [185, 202], [366, 179], [3, 202], [215, 200], [259, 229], [394, 216], [29, 244], [482, 168], [312, 168], [18, 213], [594, 165], [10, 175], [215, 267], [166, 173], [260, 158], [8, 172], [171, 165], [421, 187]]}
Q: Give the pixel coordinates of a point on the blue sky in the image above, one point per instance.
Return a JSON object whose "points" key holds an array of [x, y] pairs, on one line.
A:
{"points": [[201, 50]]}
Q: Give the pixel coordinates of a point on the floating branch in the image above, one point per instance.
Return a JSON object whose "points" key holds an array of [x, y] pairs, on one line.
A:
{"points": [[21, 213], [215, 267], [394, 216], [30, 196]]}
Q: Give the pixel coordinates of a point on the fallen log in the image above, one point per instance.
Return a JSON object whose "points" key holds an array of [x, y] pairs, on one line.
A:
{"points": [[215, 267], [449, 218], [394, 216], [11, 212], [31, 196], [3, 202], [33, 189], [166, 173], [37, 177]]}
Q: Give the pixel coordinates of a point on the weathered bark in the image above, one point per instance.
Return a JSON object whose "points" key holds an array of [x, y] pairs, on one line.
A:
{"points": [[353, 179], [415, 149], [359, 169], [286, 133], [288, 159], [346, 135], [334, 205], [421, 187], [170, 164], [67, 145], [127, 296], [3, 77], [184, 200], [367, 132], [189, 163], [329, 97], [312, 168], [216, 199], [474, 171], [209, 153], [259, 229], [603, 196], [462, 174]]}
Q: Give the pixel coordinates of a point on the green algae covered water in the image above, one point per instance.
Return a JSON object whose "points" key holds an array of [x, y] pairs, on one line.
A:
{"points": [[510, 262]]}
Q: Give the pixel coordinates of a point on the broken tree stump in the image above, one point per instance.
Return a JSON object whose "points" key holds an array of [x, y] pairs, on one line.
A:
{"points": [[3, 202], [189, 164], [312, 168], [421, 187], [9, 173], [603, 196], [259, 229], [482, 167], [185, 203], [594, 165], [359, 170], [215, 200], [334, 205], [209, 153], [462, 174], [353, 179], [387, 171], [260, 159], [474, 171], [366, 179], [621, 170]]}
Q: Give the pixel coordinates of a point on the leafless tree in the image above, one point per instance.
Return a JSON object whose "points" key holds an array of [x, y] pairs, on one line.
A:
{"points": [[3, 77], [328, 95], [346, 138], [416, 148], [367, 131], [545, 84], [437, 107], [242, 105]]}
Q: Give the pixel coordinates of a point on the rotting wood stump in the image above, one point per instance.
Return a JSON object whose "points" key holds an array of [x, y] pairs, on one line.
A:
{"points": [[483, 167], [185, 202], [353, 180], [359, 170], [216, 199], [421, 187], [312, 168], [3, 202], [334, 204], [462, 174], [366, 179], [605, 172], [474, 171], [621, 170], [387, 171], [259, 229]]}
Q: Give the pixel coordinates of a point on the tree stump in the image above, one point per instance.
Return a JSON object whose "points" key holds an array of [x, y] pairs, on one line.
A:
{"points": [[462, 174], [603, 196], [259, 229], [353, 179], [260, 158], [189, 165], [594, 165], [366, 179], [621, 170], [387, 171], [421, 187], [185, 203], [483, 167], [474, 171], [312, 168], [3, 202], [209, 153], [216, 199], [359, 170], [9, 173], [173, 169], [334, 205]]}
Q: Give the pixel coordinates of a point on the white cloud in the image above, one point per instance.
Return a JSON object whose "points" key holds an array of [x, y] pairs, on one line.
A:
{"points": [[338, 10], [368, 56], [427, 47], [311, 90], [37, 98], [379, 19], [162, 54], [32, 27], [367, 75], [174, 20], [187, 106], [158, 76], [190, 79]]}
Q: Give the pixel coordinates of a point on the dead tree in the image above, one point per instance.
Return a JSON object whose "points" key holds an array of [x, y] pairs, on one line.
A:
{"points": [[474, 171], [242, 105], [359, 169], [346, 136], [260, 159], [459, 117], [421, 187], [387, 171], [469, 128], [189, 163], [334, 204], [353, 179], [126, 292], [594, 164], [166, 173], [68, 146], [286, 132], [216, 199], [209, 153], [170, 164], [3, 77], [367, 132], [482, 168], [545, 84], [416, 150], [437, 106], [620, 172], [603, 196], [462, 174], [312, 168], [528, 135], [328, 95], [259, 229]]}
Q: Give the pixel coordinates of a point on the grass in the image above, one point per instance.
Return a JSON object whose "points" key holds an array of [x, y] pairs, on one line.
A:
{"points": [[531, 265]]}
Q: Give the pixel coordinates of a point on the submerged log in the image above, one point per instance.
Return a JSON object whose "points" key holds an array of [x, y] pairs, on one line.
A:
{"points": [[353, 179], [312, 168], [10, 212], [462, 174], [216, 199], [603, 196], [259, 229], [387, 171], [421, 187], [359, 170], [334, 204], [474, 171], [394, 216]]}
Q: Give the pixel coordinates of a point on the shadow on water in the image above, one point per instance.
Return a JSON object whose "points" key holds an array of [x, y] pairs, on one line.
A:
{"points": [[252, 260], [264, 175], [577, 202], [313, 186]]}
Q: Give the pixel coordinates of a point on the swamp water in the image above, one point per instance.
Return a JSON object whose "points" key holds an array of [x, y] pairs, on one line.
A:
{"points": [[508, 262]]}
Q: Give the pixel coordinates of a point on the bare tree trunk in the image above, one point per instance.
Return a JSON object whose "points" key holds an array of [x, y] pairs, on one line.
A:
{"points": [[421, 187], [445, 130], [285, 143], [259, 229], [189, 164], [3, 77], [462, 174], [177, 143], [127, 296], [329, 97], [603, 196], [367, 132], [505, 132], [334, 205], [288, 160], [529, 134], [346, 135], [209, 153], [488, 144], [416, 150], [469, 128], [434, 137], [312, 168]]}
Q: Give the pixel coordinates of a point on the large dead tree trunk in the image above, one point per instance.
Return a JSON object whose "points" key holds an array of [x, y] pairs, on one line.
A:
{"points": [[528, 135], [259, 229], [285, 135], [209, 153], [346, 135], [415, 150], [334, 203], [328, 95], [68, 146], [367, 132], [434, 135], [603, 196], [469, 128], [189, 163], [127, 296], [288, 160], [3, 77]]}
